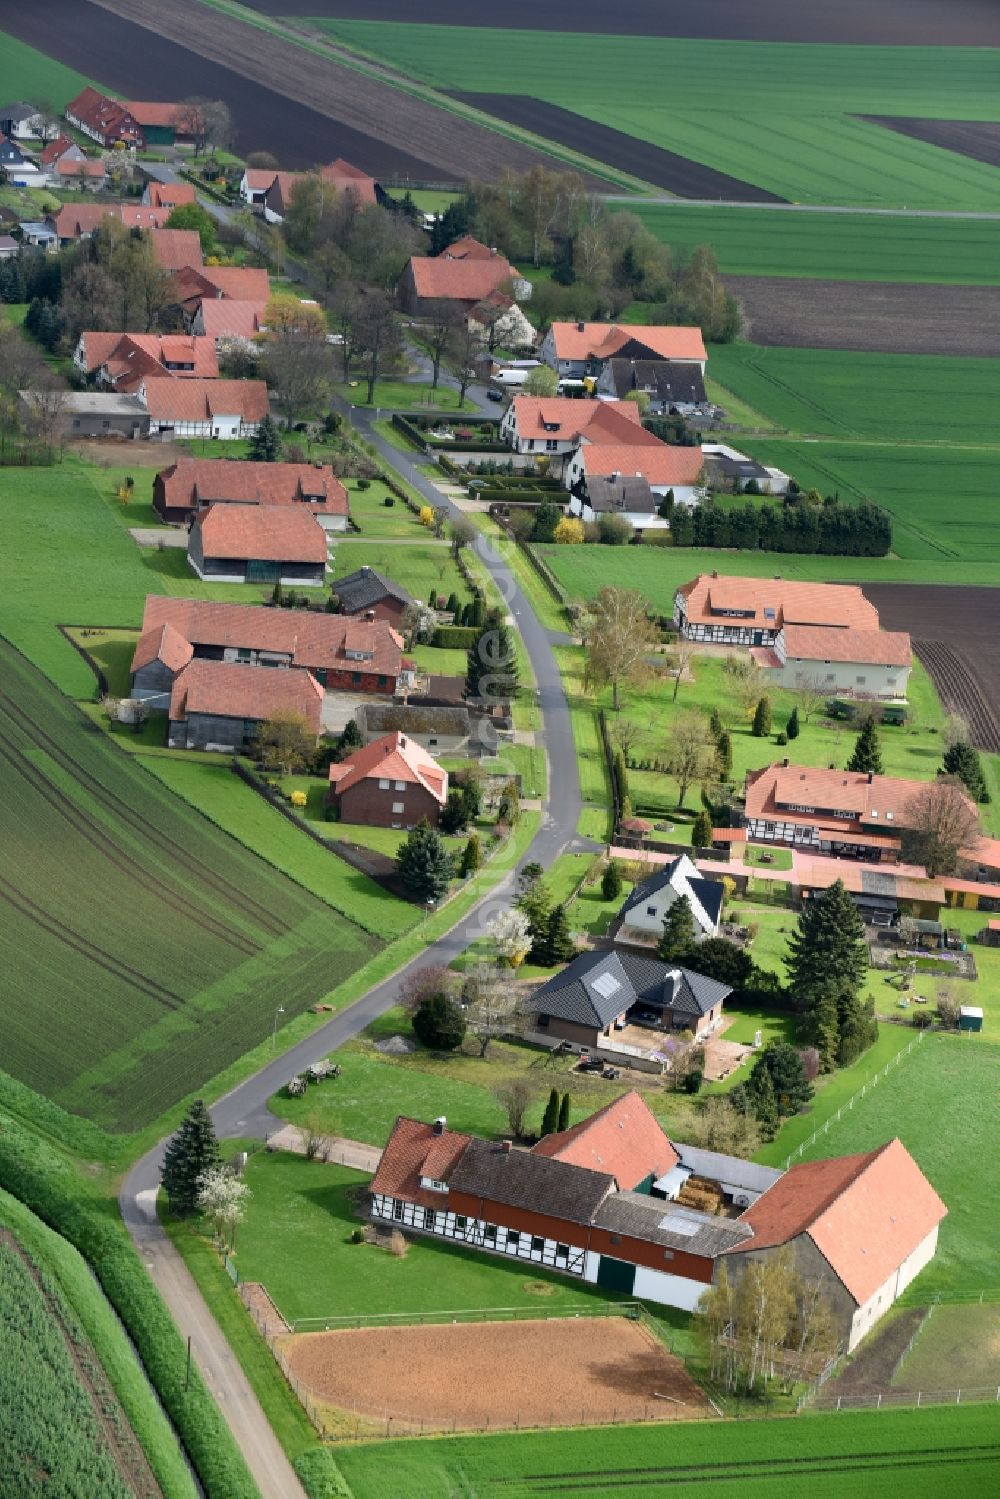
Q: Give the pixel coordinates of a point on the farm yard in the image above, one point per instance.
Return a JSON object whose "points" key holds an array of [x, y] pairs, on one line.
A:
{"points": [[926, 1454], [830, 246], [560, 1371], [791, 126], [103, 869], [870, 316]]}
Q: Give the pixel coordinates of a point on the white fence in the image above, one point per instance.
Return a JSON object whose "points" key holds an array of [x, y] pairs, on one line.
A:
{"points": [[855, 1098]]}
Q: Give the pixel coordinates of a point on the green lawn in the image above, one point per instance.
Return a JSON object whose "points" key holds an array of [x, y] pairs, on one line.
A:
{"points": [[786, 120], [959, 1345], [374, 518], [834, 246], [927, 1454], [425, 565], [404, 395], [941, 1102], [112, 650], [296, 1241]]}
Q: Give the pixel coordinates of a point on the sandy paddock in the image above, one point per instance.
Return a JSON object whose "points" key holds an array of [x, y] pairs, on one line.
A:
{"points": [[559, 1372]]}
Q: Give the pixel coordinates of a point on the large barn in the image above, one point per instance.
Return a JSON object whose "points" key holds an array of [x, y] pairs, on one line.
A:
{"points": [[611, 1202]]}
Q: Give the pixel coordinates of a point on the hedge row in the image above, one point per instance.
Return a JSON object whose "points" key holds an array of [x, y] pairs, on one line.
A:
{"points": [[456, 636], [41, 1178], [422, 439], [523, 496], [515, 481]]}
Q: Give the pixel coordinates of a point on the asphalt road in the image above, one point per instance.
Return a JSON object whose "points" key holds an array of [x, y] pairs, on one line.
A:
{"points": [[244, 1111]]}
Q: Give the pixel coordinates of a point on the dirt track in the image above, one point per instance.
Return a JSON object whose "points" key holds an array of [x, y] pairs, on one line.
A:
{"points": [[956, 635], [456, 149], [887, 317], [561, 1372], [677, 174], [902, 23]]}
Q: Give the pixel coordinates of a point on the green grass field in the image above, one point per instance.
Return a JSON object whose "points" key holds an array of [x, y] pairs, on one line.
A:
{"points": [[28, 74], [926, 1454], [782, 116], [104, 870], [831, 246], [958, 1347], [403, 395], [420, 567], [940, 1101], [374, 518], [70, 1291], [889, 397]]}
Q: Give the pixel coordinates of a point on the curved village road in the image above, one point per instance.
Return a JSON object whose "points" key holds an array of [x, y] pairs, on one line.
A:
{"points": [[244, 1111]]}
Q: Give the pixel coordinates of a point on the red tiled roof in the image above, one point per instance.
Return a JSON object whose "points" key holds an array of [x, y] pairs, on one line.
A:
{"points": [[466, 247], [839, 604], [168, 399], [191, 482], [347, 178], [604, 339], [72, 220], [242, 283], [413, 1150], [562, 418], [106, 117], [75, 167], [312, 640], [860, 647], [394, 757], [459, 280], [259, 179], [176, 248], [254, 692], [880, 799], [55, 149], [865, 1213], [268, 533], [171, 194], [129, 357], [658, 465], [223, 317], [153, 114], [622, 1139], [162, 643]]}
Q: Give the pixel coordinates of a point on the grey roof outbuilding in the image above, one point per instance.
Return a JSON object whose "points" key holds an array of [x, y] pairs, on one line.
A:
{"points": [[597, 987], [521, 1179], [365, 588], [639, 1216]]}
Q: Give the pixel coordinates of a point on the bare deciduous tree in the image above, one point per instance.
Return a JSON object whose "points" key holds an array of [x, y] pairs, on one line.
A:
{"points": [[627, 735], [515, 1097], [440, 332], [955, 730], [810, 695], [377, 338], [941, 821], [689, 752], [620, 635], [492, 999]]}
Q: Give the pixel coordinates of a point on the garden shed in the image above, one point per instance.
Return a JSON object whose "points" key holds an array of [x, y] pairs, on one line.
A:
{"points": [[970, 1018]]}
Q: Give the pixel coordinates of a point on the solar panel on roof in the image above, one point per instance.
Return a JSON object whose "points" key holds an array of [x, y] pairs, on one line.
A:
{"points": [[606, 984], [685, 1228]]}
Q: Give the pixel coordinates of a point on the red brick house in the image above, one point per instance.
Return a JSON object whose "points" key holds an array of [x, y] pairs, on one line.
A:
{"points": [[258, 544], [105, 120], [123, 360], [390, 783], [466, 273], [193, 484], [344, 655], [214, 706], [863, 1226]]}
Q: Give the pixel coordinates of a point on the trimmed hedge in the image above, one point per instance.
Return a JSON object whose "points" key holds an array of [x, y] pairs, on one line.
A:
{"points": [[456, 636], [514, 481], [422, 439], [523, 496], [39, 1176]]}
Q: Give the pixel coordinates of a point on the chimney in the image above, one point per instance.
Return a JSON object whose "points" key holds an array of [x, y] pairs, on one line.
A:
{"points": [[785, 762], [506, 1146], [370, 616], [871, 777], [580, 327], [440, 1124]]}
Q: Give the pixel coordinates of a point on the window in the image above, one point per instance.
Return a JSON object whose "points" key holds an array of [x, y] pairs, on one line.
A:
{"points": [[432, 740], [491, 1232], [397, 808], [76, 421], [562, 1249], [513, 1239], [542, 1022], [530, 445], [400, 785], [397, 1210], [383, 785], [860, 681], [537, 1244], [243, 656], [551, 445], [616, 1238], [460, 1224], [668, 1254], [430, 1218], [356, 682], [650, 910]]}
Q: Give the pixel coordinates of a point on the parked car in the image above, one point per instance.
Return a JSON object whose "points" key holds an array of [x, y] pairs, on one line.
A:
{"points": [[494, 395]]}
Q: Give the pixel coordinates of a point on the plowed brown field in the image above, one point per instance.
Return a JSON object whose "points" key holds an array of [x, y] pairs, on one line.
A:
{"points": [[901, 23], [458, 148], [956, 634], [470, 1376], [978, 139], [888, 317]]}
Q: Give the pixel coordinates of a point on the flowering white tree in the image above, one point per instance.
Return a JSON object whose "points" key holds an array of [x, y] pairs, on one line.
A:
{"points": [[237, 356], [510, 933], [223, 1197]]}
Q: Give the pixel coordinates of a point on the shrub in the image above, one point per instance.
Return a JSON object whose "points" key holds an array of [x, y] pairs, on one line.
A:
{"points": [[438, 1023], [358, 1236], [364, 484], [781, 738], [615, 530], [693, 1080], [457, 637], [569, 531], [389, 501]]}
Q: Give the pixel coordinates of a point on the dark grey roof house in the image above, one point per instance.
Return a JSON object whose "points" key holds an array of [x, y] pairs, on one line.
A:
{"points": [[620, 494], [643, 913], [669, 385], [369, 592], [600, 992]]}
